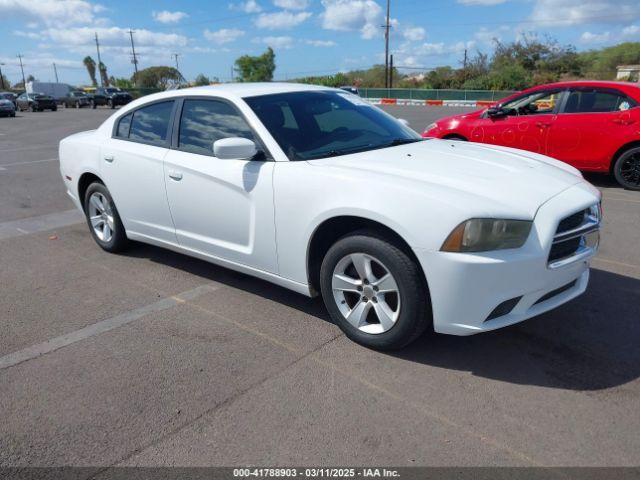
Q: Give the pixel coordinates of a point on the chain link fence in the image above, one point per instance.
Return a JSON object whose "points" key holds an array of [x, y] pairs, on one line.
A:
{"points": [[441, 94]]}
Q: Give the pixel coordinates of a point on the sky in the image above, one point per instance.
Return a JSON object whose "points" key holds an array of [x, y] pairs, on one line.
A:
{"points": [[310, 37]]}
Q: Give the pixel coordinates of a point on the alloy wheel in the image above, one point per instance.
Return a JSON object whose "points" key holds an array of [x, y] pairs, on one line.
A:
{"points": [[630, 169], [366, 293], [101, 217]]}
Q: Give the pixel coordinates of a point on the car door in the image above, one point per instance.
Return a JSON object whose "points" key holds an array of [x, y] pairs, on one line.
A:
{"points": [[591, 127], [221, 207], [132, 169], [525, 125]]}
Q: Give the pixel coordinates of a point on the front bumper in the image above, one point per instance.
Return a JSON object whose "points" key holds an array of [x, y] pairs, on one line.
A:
{"points": [[466, 288]]}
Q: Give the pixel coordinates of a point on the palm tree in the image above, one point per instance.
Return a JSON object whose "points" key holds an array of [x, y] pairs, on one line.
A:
{"points": [[91, 68], [104, 76]]}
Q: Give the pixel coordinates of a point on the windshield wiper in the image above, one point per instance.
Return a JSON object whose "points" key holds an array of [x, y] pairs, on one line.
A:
{"points": [[401, 141]]}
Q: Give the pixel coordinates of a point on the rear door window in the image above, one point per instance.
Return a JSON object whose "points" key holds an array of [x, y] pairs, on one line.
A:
{"points": [[151, 124], [597, 101]]}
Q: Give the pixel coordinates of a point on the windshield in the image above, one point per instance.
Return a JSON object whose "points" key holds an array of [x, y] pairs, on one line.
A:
{"points": [[319, 124]]}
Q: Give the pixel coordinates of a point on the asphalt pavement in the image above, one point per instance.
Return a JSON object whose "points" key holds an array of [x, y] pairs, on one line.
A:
{"points": [[154, 358]]}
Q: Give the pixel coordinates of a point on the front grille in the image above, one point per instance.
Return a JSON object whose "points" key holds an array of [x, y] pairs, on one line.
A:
{"points": [[556, 292], [564, 249], [572, 221], [572, 234]]}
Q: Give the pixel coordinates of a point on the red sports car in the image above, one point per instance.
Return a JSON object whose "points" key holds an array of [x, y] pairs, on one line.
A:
{"points": [[594, 126]]}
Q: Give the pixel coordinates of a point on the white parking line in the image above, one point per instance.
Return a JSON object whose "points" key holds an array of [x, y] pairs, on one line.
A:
{"points": [[16, 164], [25, 226], [103, 326]]}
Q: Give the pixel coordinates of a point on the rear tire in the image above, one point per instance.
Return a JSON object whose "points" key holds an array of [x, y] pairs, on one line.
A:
{"points": [[385, 308], [626, 170], [103, 219]]}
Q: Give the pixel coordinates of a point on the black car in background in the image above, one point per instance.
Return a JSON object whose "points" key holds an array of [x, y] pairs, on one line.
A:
{"points": [[36, 102], [110, 96], [9, 96], [76, 99]]}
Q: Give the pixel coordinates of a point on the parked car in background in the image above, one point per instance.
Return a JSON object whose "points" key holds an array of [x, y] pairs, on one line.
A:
{"points": [[110, 96], [594, 126], [9, 96], [36, 102], [7, 108], [332, 195], [76, 99]]}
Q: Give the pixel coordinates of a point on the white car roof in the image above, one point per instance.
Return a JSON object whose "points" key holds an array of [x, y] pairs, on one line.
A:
{"points": [[254, 89]]}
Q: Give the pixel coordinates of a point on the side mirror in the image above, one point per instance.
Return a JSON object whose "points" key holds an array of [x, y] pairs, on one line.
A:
{"points": [[496, 112], [234, 148], [404, 122]]}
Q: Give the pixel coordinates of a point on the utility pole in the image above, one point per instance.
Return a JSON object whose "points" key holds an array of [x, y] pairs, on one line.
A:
{"points": [[1, 77], [386, 27], [175, 56], [135, 59], [99, 60], [24, 81], [55, 70], [391, 71]]}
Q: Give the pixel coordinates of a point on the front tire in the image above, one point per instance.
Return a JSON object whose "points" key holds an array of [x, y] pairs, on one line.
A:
{"points": [[111, 104], [627, 169], [374, 291], [103, 219]]}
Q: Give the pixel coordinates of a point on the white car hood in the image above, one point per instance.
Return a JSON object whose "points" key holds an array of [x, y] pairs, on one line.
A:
{"points": [[505, 176]]}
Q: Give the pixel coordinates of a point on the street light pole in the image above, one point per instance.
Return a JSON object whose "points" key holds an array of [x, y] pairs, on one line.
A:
{"points": [[99, 60], [55, 70]]}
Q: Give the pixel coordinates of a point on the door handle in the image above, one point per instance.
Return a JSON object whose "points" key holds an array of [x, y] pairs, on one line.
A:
{"points": [[177, 176], [623, 121], [108, 158], [542, 125]]}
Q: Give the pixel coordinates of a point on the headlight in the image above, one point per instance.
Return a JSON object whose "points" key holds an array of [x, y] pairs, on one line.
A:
{"points": [[431, 126], [485, 234]]}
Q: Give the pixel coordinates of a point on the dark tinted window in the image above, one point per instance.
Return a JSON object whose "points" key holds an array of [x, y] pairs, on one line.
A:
{"points": [[205, 121], [596, 101], [318, 124], [123, 126], [151, 124]]}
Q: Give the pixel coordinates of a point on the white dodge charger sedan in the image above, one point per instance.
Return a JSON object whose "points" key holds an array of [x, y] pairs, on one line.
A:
{"points": [[318, 191]]}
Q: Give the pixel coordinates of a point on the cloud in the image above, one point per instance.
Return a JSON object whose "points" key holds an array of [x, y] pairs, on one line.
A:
{"points": [[481, 2], [30, 35], [555, 13], [250, 6], [321, 43], [364, 16], [166, 16], [276, 42], [53, 12], [281, 20], [414, 34], [112, 36], [588, 37], [632, 31], [291, 4], [225, 35]]}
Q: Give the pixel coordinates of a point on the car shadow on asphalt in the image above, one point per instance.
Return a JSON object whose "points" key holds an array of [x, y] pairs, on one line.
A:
{"points": [[591, 343], [602, 180]]}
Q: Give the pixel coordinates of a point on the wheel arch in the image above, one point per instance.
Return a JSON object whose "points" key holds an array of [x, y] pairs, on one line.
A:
{"points": [[332, 229], [620, 151], [86, 179], [455, 136]]}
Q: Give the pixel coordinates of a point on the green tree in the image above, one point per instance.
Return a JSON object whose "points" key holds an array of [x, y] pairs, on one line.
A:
{"points": [[4, 82], [256, 69], [104, 76], [125, 83], [90, 65], [201, 80], [157, 77], [602, 64]]}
